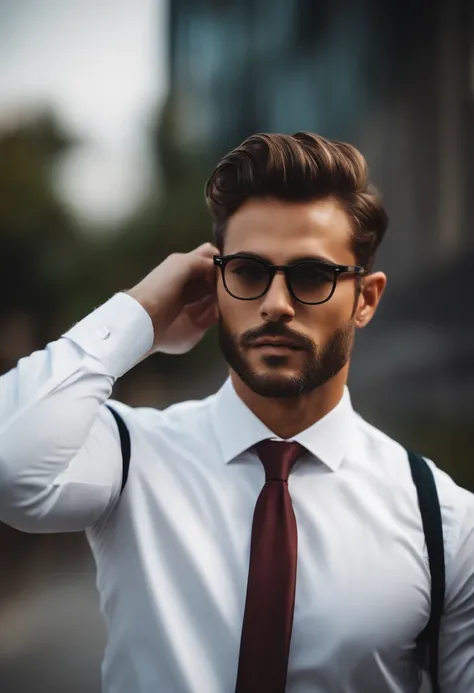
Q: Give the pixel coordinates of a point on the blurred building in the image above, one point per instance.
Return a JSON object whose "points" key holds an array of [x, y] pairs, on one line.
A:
{"points": [[247, 66], [396, 80]]}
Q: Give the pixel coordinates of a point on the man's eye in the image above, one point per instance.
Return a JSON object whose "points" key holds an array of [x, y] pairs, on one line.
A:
{"points": [[247, 270], [312, 274]]}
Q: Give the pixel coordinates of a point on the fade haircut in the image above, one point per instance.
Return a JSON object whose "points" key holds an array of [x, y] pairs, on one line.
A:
{"points": [[299, 167]]}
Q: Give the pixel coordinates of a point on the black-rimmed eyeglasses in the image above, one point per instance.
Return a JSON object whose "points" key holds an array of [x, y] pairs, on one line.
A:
{"points": [[309, 281]]}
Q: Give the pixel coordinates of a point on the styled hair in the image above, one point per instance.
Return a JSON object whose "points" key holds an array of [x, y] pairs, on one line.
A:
{"points": [[299, 167]]}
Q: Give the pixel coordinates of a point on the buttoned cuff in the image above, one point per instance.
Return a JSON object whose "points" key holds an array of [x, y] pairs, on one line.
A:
{"points": [[119, 334]]}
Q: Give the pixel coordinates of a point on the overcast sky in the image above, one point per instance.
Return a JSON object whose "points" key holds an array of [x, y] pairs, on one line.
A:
{"points": [[102, 65]]}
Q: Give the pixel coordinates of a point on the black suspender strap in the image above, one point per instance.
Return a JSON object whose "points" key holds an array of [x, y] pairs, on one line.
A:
{"points": [[124, 443], [433, 528]]}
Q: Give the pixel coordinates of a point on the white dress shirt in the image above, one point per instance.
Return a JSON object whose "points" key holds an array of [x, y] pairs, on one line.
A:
{"points": [[172, 552]]}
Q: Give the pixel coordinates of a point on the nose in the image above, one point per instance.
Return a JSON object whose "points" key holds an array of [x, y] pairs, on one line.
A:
{"points": [[277, 303]]}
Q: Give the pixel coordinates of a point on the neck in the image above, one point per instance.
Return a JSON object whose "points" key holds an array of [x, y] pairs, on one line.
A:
{"points": [[288, 417]]}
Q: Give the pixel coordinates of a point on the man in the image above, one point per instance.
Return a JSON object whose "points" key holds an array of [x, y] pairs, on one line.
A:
{"points": [[268, 538]]}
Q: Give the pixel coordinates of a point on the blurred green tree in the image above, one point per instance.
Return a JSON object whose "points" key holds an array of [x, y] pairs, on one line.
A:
{"points": [[38, 237]]}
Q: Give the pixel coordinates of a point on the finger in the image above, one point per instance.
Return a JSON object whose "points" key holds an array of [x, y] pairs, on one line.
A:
{"points": [[202, 264], [207, 318], [206, 250], [199, 307], [203, 302], [199, 287], [203, 270]]}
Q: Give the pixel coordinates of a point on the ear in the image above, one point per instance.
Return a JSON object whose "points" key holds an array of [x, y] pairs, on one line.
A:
{"points": [[373, 286]]}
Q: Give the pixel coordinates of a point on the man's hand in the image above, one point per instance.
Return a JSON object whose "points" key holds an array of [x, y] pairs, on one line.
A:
{"points": [[180, 297]]}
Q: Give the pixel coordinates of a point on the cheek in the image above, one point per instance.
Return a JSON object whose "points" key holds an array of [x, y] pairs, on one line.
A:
{"points": [[239, 316], [230, 309], [321, 321], [338, 309]]}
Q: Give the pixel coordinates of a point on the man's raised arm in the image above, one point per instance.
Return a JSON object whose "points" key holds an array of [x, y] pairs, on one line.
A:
{"points": [[60, 456]]}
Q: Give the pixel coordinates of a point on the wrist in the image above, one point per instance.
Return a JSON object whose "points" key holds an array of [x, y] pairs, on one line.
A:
{"points": [[156, 309]]}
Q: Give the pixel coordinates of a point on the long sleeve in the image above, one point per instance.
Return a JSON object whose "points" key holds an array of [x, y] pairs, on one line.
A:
{"points": [[457, 628], [60, 456]]}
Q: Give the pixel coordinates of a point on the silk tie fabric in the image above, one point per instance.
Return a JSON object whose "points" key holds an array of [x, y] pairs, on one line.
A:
{"points": [[269, 607]]}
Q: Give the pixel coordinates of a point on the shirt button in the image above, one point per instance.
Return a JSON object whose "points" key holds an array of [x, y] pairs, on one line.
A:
{"points": [[103, 333]]}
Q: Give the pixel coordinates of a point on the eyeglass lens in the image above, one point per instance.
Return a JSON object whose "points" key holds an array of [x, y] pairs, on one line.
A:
{"points": [[246, 278]]}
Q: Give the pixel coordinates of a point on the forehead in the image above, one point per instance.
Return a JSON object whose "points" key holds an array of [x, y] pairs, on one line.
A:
{"points": [[282, 230]]}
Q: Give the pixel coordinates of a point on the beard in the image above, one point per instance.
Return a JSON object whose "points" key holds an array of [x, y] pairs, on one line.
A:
{"points": [[321, 363]]}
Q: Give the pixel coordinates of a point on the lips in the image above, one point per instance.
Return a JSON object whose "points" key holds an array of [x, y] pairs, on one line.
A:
{"points": [[268, 341]]}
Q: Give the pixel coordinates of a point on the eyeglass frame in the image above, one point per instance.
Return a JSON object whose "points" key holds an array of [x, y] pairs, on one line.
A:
{"points": [[222, 260]]}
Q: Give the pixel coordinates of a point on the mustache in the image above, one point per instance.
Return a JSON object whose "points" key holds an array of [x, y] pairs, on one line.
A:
{"points": [[276, 329]]}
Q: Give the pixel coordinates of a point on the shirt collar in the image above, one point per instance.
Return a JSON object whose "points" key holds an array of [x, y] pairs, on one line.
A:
{"points": [[237, 428]]}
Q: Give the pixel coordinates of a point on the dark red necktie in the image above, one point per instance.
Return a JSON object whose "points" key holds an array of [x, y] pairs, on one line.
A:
{"points": [[268, 617]]}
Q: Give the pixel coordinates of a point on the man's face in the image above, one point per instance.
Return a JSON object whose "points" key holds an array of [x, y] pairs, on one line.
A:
{"points": [[321, 335]]}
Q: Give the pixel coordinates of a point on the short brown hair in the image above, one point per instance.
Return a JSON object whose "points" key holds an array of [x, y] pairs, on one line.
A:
{"points": [[299, 167]]}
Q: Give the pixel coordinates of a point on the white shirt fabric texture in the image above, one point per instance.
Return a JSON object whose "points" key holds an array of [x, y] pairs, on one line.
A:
{"points": [[172, 552]]}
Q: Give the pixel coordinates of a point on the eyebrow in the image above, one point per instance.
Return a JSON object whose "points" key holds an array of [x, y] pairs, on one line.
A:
{"points": [[292, 261]]}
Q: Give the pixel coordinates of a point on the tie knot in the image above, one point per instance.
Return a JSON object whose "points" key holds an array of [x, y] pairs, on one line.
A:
{"points": [[278, 458]]}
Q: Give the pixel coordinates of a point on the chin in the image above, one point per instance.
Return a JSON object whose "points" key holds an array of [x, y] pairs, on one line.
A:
{"points": [[275, 385], [277, 372], [276, 363], [274, 382]]}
